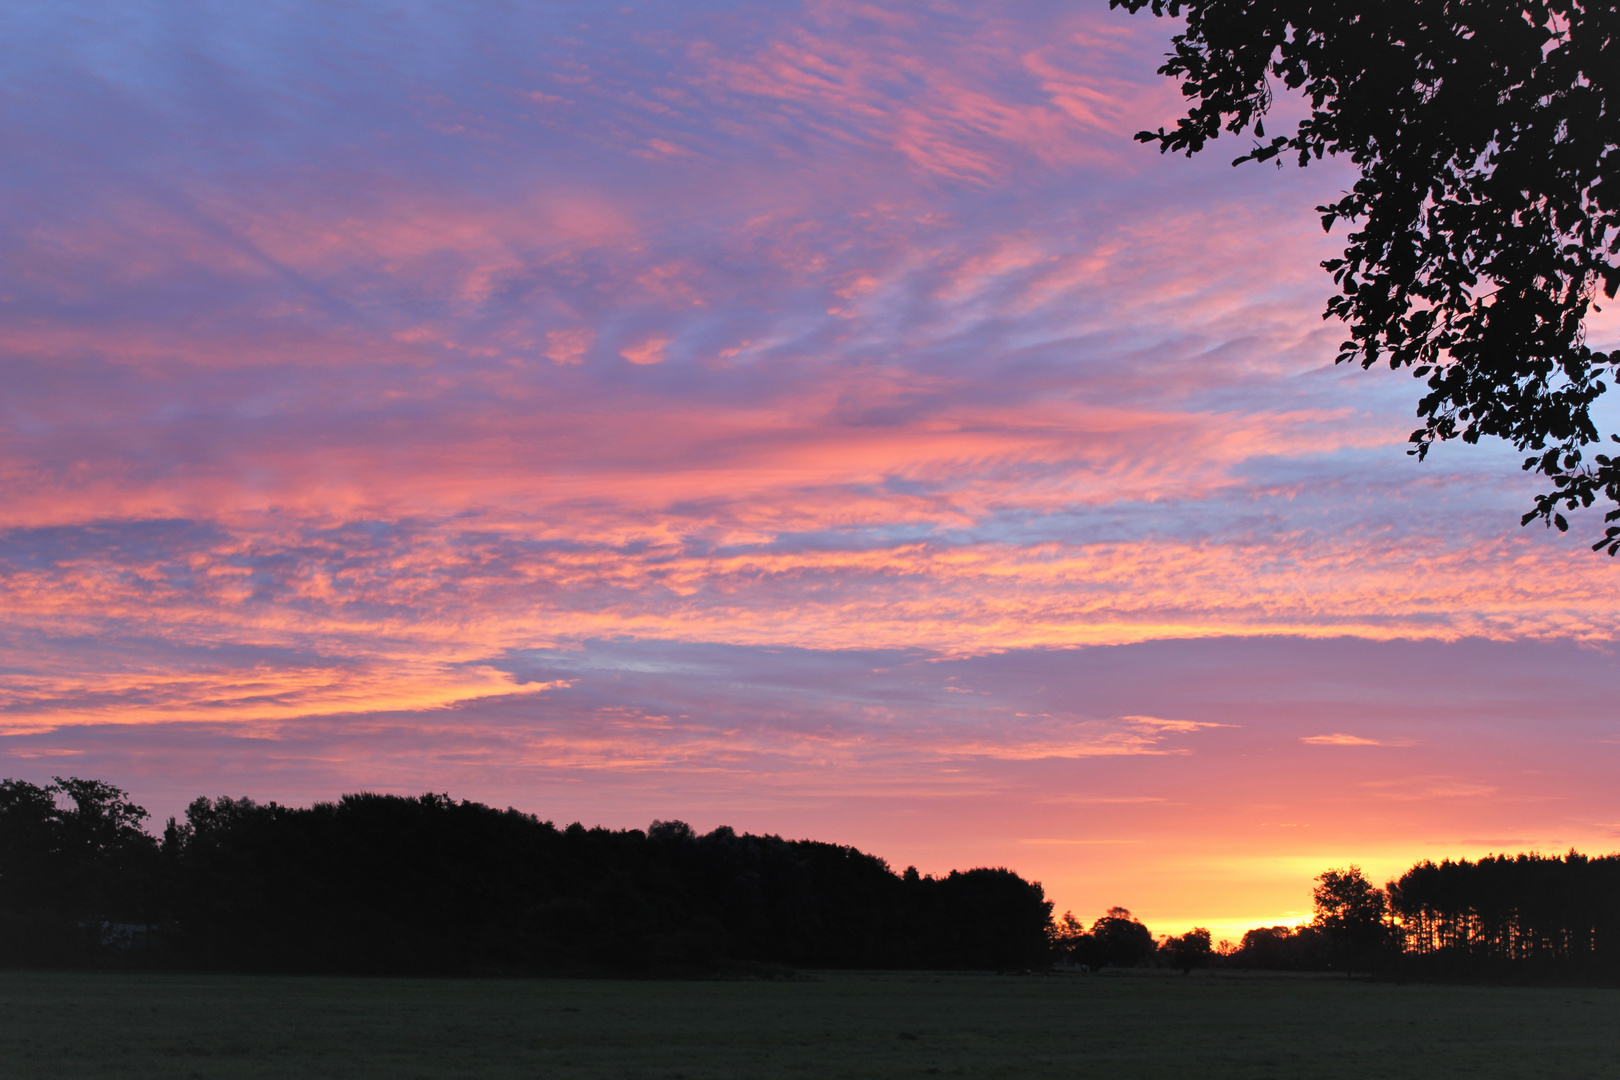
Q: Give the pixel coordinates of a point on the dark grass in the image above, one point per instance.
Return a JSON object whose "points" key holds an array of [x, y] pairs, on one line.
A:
{"points": [[825, 1025]]}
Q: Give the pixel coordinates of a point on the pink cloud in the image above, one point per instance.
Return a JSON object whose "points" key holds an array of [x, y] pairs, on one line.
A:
{"points": [[809, 329], [647, 351], [1341, 739]]}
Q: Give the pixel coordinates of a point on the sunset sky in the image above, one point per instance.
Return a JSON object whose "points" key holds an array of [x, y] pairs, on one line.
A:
{"points": [[817, 418]]}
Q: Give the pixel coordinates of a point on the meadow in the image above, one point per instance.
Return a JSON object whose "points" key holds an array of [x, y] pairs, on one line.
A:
{"points": [[843, 1024]]}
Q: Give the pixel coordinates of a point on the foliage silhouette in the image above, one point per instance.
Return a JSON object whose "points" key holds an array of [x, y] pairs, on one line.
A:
{"points": [[1194, 949], [1523, 915], [381, 883], [1488, 209], [64, 871], [1281, 948], [1350, 913], [1117, 939]]}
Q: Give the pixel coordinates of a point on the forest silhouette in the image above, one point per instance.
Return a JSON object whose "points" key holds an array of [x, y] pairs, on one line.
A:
{"points": [[429, 885]]}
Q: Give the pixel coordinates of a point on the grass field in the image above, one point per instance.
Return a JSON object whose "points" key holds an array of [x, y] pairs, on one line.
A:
{"points": [[825, 1025]]}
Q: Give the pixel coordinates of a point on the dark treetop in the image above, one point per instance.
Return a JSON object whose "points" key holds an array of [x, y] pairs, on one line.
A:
{"points": [[1488, 210]]}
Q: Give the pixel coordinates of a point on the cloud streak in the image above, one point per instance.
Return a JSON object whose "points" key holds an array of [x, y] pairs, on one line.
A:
{"points": [[355, 357]]}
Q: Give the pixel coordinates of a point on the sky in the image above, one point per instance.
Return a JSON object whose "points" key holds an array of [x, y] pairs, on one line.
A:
{"points": [[817, 418]]}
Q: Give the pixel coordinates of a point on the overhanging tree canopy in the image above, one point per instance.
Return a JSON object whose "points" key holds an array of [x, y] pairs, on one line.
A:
{"points": [[1488, 210]]}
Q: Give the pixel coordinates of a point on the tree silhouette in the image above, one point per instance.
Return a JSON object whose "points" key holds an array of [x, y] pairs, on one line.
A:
{"points": [[67, 870], [1488, 210], [1068, 938], [1119, 939], [1350, 911], [381, 883], [1524, 913], [1282, 948], [1193, 949]]}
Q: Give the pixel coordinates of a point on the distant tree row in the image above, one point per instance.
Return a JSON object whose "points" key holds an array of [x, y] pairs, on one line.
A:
{"points": [[1117, 939], [1516, 916], [380, 883], [1345, 902], [1503, 916]]}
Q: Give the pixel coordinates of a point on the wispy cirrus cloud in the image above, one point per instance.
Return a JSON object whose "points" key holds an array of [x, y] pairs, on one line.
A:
{"points": [[357, 357]]}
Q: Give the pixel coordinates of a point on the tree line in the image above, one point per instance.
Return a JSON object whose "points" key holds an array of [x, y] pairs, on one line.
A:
{"points": [[1524, 916], [429, 885], [1507, 913], [1505, 916]]}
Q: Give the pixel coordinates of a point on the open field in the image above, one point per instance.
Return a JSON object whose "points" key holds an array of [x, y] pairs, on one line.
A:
{"points": [[826, 1025]]}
